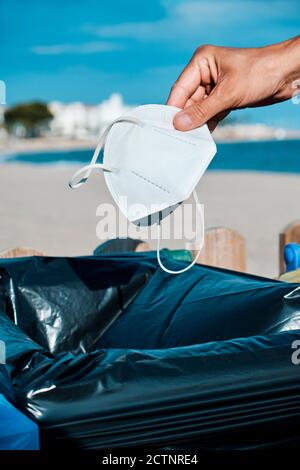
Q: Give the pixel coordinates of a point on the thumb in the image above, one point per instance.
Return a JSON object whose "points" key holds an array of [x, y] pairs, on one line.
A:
{"points": [[199, 113]]}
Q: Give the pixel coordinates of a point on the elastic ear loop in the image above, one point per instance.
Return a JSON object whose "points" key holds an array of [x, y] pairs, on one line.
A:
{"points": [[87, 169], [170, 271]]}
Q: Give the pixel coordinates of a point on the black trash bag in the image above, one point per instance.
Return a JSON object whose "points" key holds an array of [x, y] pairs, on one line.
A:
{"points": [[19, 348], [204, 304], [230, 392], [117, 245], [65, 306], [241, 393], [125, 301]]}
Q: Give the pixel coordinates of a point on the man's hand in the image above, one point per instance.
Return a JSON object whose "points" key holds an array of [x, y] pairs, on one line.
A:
{"points": [[220, 79]]}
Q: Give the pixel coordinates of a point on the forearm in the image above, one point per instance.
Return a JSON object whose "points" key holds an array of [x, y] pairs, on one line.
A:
{"points": [[288, 58]]}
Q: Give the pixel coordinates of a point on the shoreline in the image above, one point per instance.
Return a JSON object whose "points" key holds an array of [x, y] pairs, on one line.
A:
{"points": [[222, 135], [45, 145]]}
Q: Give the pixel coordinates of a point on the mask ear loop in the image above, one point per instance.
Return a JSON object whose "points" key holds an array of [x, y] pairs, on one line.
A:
{"points": [[88, 169], [170, 271]]}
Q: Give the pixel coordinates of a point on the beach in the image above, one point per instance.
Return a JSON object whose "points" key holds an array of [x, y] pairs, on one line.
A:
{"points": [[223, 133], [39, 210]]}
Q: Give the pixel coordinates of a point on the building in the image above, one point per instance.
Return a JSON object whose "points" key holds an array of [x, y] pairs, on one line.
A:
{"points": [[79, 121]]}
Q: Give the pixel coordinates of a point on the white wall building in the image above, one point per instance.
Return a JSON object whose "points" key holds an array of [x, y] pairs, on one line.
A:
{"points": [[77, 120]]}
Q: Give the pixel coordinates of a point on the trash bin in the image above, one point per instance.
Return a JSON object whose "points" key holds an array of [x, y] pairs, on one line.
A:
{"points": [[110, 351]]}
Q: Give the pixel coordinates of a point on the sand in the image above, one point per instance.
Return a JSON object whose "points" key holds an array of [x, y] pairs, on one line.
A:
{"points": [[39, 210]]}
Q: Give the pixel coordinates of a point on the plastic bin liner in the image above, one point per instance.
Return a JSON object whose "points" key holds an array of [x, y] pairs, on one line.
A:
{"points": [[66, 305], [205, 304], [238, 389], [17, 432], [86, 303]]}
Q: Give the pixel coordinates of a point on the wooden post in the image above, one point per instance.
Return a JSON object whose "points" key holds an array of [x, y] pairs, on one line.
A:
{"points": [[20, 252], [223, 248], [291, 234], [144, 246]]}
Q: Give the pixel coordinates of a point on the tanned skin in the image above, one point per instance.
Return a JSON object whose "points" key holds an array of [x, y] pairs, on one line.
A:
{"points": [[218, 80]]}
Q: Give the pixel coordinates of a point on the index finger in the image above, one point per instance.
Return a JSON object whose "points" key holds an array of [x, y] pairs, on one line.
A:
{"points": [[185, 86]]}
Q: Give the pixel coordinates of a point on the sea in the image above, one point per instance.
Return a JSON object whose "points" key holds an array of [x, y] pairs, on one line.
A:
{"points": [[269, 156]]}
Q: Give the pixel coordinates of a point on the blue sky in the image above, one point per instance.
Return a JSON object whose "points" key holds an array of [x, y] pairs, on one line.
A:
{"points": [[84, 50]]}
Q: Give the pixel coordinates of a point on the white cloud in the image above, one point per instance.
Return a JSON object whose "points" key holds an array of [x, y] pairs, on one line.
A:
{"points": [[206, 20], [84, 48]]}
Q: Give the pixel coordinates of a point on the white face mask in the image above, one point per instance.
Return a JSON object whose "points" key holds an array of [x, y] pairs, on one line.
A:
{"points": [[155, 166]]}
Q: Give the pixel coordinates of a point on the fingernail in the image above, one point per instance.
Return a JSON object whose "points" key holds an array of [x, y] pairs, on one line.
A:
{"points": [[183, 121]]}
